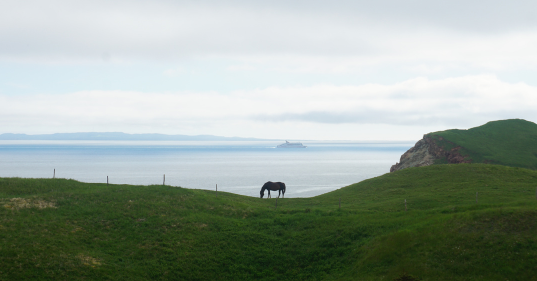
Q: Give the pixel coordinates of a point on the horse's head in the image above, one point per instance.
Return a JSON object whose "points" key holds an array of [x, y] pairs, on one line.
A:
{"points": [[265, 186]]}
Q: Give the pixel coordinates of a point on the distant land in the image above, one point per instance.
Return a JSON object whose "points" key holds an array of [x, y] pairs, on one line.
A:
{"points": [[122, 137]]}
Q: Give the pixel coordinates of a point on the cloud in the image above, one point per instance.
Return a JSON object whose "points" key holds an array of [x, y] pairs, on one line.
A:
{"points": [[313, 36], [243, 67], [174, 72], [459, 102]]}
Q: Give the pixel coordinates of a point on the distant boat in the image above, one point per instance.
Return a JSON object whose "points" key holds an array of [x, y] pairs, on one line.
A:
{"points": [[291, 145]]}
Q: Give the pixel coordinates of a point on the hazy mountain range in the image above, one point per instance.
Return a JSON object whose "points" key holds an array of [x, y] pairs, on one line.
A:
{"points": [[121, 136]]}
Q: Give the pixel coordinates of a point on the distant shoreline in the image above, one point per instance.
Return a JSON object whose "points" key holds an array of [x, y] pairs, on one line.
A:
{"points": [[112, 136], [118, 136]]}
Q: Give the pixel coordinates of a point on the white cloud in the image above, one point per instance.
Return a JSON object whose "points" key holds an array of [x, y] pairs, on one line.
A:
{"points": [[415, 106], [174, 72], [339, 36], [236, 44], [242, 67]]}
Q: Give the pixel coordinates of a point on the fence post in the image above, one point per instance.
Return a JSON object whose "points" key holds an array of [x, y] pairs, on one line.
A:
{"points": [[106, 180], [164, 180], [217, 190], [54, 175]]}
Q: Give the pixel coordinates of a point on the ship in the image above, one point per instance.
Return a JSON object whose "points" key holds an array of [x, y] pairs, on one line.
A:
{"points": [[291, 145]]}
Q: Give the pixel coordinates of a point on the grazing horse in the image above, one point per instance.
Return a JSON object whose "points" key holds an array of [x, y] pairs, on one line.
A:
{"points": [[280, 186]]}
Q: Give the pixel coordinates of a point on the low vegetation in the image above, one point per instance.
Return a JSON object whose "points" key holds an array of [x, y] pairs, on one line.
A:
{"points": [[462, 222], [507, 142]]}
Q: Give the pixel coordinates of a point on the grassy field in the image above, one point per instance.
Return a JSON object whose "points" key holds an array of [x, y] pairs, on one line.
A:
{"points": [[57, 229], [507, 142]]}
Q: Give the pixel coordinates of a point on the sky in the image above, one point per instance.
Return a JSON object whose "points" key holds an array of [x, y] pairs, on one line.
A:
{"points": [[303, 70]]}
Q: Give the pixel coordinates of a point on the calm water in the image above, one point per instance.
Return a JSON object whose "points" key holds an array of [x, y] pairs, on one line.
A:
{"points": [[238, 167]]}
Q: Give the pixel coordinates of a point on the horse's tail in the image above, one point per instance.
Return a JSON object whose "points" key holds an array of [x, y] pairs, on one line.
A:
{"points": [[282, 187]]}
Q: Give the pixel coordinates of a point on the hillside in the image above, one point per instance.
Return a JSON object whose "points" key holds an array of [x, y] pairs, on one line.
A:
{"points": [[506, 142], [56, 229]]}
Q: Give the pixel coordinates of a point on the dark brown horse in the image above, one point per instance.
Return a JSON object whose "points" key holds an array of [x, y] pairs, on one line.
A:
{"points": [[280, 186]]}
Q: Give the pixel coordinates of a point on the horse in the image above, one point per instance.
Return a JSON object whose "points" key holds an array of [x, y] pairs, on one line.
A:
{"points": [[280, 186]]}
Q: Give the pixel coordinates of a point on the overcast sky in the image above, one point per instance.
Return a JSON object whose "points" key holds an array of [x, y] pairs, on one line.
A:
{"points": [[360, 70]]}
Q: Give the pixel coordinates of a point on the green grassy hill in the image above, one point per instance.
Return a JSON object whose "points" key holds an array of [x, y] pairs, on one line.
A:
{"points": [[507, 142], [55, 229]]}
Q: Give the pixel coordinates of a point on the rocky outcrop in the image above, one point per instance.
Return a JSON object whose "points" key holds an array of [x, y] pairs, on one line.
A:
{"points": [[416, 156], [426, 151]]}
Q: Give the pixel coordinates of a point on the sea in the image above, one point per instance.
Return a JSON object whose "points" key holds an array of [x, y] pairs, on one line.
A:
{"points": [[239, 167]]}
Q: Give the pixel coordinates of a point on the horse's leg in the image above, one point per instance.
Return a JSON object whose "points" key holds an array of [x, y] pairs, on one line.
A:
{"points": [[268, 194]]}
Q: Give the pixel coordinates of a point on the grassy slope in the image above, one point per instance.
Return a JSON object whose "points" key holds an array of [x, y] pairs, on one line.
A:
{"points": [[506, 142], [122, 232]]}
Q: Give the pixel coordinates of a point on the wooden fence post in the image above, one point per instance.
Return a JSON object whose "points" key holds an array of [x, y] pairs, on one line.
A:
{"points": [[106, 180], [54, 175], [164, 180], [216, 189]]}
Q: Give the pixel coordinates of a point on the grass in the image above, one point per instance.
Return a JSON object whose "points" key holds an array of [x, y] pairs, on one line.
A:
{"points": [[67, 230], [507, 142]]}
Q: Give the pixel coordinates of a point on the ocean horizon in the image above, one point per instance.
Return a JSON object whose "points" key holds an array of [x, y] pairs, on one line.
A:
{"points": [[240, 167]]}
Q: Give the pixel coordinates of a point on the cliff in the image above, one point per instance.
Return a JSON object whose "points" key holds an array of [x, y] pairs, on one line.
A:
{"points": [[510, 142], [428, 151]]}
